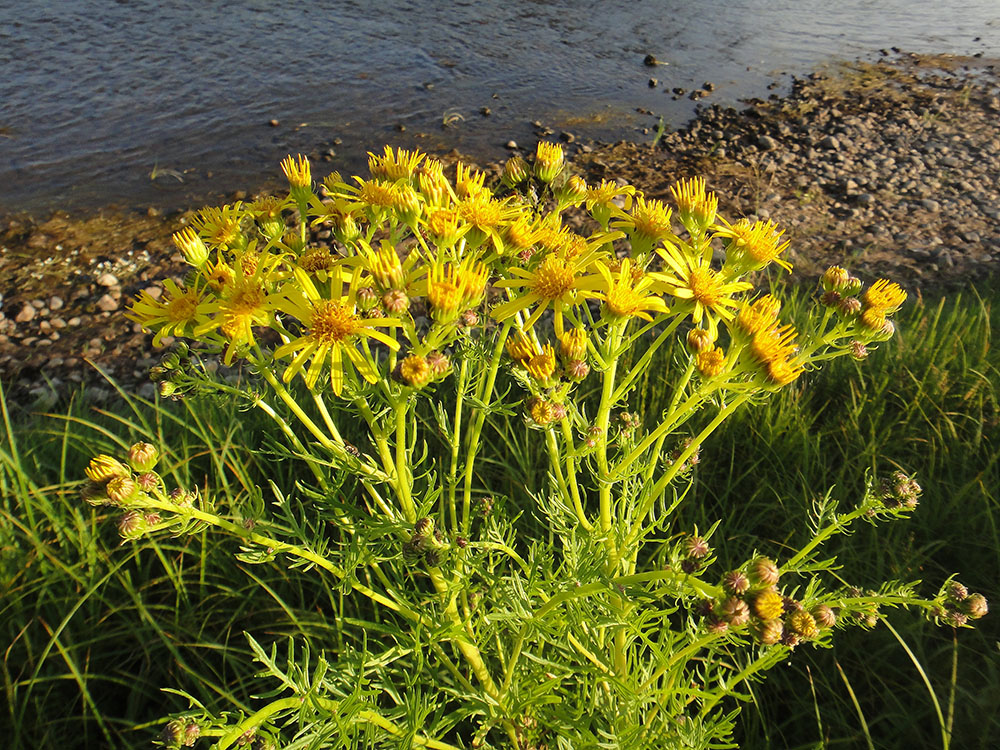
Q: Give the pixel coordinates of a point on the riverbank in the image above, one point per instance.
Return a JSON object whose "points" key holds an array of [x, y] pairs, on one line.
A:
{"points": [[892, 168]]}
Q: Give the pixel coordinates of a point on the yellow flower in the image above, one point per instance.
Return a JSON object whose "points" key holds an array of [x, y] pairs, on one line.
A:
{"points": [[485, 216], [104, 467], [752, 246], [297, 171], [768, 605], [218, 275], [759, 315], [520, 347], [384, 265], [415, 370], [444, 227], [648, 222], [193, 246], [452, 288], [691, 279], [542, 364], [696, 207], [434, 186], [776, 350], [468, 181], [244, 306], [395, 165], [332, 330], [555, 282], [521, 234], [601, 201], [549, 160], [710, 362], [177, 313], [625, 296], [884, 296], [220, 226], [573, 344]]}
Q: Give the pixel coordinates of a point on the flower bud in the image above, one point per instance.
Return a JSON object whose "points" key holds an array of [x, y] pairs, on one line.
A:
{"points": [[573, 344], [191, 734], [423, 526], [849, 307], [835, 278], [975, 606], [172, 734], [121, 489], [577, 370], [515, 171], [824, 616], [94, 493], [696, 547], [711, 362], [192, 246], [182, 498], [549, 161], [956, 592], [131, 525], [735, 611], [346, 229], [167, 389], [574, 190], [699, 340], [395, 301], [735, 582], [858, 351], [831, 298], [763, 572], [790, 638], [768, 632], [468, 319], [143, 456], [716, 625], [541, 411], [439, 363], [103, 467]]}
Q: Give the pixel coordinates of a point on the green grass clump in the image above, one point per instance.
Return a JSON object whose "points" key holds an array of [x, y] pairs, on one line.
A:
{"points": [[92, 631]]}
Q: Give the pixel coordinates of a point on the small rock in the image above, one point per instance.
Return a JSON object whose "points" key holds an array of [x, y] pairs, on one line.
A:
{"points": [[107, 303], [929, 204], [107, 279], [485, 111], [650, 61], [708, 86], [273, 123], [27, 314], [567, 137], [653, 83], [767, 143], [154, 291], [56, 303], [512, 145], [831, 143], [74, 321]]}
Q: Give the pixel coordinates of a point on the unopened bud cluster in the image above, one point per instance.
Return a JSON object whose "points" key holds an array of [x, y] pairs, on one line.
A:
{"points": [[958, 606], [751, 597], [427, 544]]}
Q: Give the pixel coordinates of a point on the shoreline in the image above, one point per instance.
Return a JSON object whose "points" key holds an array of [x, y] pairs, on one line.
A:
{"points": [[891, 167]]}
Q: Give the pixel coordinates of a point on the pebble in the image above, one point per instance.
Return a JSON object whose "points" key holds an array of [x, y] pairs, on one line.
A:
{"points": [[767, 143], [56, 303], [930, 205], [26, 314], [107, 279], [107, 303], [512, 145], [830, 142]]}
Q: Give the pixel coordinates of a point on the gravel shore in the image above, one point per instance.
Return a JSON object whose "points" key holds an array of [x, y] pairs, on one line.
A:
{"points": [[891, 168]]}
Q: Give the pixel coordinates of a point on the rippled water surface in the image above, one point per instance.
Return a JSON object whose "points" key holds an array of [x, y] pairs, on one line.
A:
{"points": [[149, 101]]}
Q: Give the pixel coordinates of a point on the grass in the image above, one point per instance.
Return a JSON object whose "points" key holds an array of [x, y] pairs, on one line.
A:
{"points": [[92, 630]]}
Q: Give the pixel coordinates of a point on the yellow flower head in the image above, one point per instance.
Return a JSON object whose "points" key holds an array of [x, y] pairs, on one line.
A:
{"points": [[602, 201], [317, 259], [332, 329], [297, 171], [452, 288], [394, 165], [772, 344], [710, 362], [103, 467], [542, 364], [220, 226], [485, 216], [520, 347], [177, 313], [884, 296], [752, 246], [549, 160], [555, 282], [218, 275], [760, 315], [625, 296], [692, 280], [194, 248], [244, 307], [469, 182], [521, 234], [648, 223], [434, 186], [573, 344], [444, 227], [415, 370], [515, 171], [384, 265], [768, 605], [696, 206]]}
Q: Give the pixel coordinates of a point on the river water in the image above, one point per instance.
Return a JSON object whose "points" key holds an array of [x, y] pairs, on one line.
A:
{"points": [[158, 102]]}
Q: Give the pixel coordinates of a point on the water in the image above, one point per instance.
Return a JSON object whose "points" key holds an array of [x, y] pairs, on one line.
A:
{"points": [[152, 102]]}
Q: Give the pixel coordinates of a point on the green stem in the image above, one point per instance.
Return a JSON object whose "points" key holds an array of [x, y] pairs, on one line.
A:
{"points": [[456, 441], [574, 486], [364, 715], [403, 480]]}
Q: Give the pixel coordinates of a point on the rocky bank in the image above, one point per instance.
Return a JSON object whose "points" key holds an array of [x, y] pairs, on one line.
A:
{"points": [[891, 168]]}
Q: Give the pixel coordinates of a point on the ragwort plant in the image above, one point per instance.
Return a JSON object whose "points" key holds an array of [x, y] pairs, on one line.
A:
{"points": [[574, 613]]}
